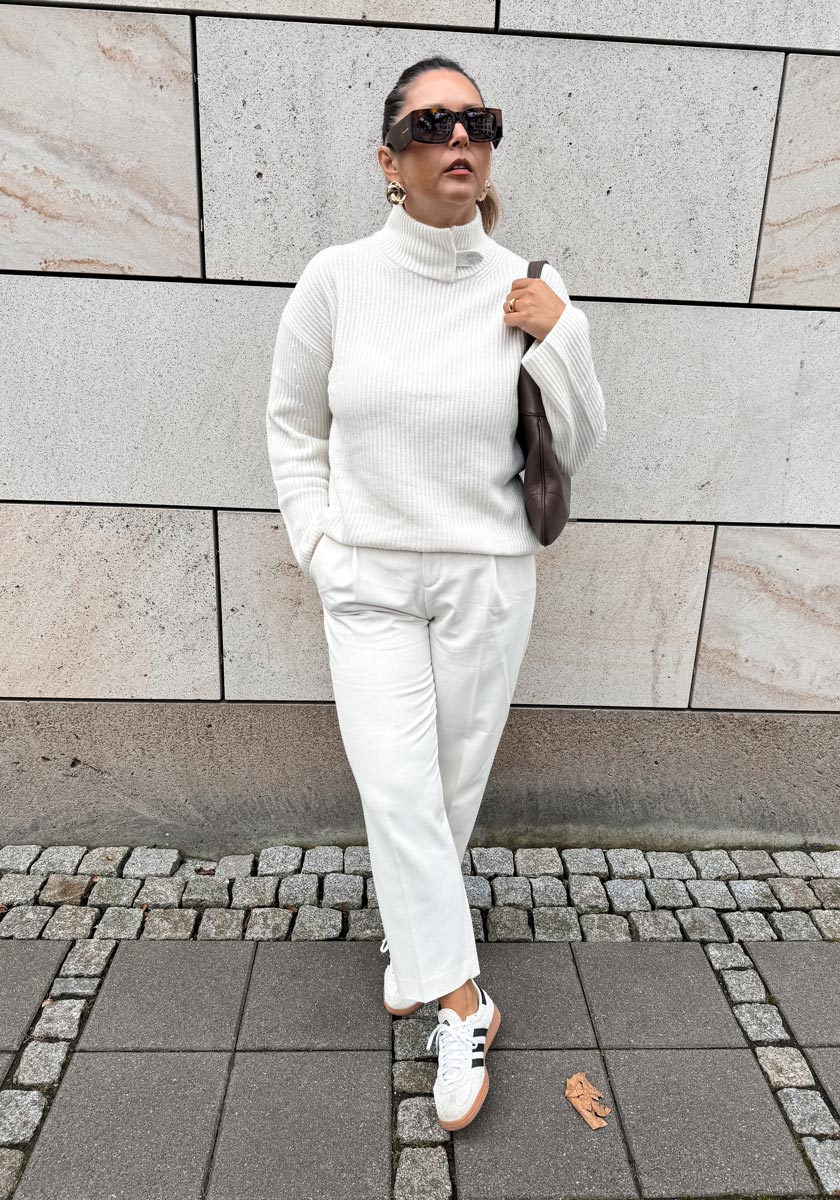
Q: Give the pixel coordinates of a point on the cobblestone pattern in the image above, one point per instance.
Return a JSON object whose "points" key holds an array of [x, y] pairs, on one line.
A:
{"points": [[716, 897]]}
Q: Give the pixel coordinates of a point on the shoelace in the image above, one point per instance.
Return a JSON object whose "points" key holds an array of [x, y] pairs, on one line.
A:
{"points": [[452, 1048]]}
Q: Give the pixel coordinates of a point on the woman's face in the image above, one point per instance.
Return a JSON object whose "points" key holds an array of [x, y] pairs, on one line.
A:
{"points": [[433, 195]]}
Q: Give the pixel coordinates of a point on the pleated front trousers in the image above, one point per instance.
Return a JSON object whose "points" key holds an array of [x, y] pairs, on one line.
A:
{"points": [[424, 650]]}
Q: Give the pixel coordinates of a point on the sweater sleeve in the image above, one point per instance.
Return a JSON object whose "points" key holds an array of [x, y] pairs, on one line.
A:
{"points": [[297, 415], [561, 366]]}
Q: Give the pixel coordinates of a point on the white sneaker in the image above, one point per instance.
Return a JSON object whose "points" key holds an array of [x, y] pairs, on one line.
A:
{"points": [[395, 1002], [462, 1078]]}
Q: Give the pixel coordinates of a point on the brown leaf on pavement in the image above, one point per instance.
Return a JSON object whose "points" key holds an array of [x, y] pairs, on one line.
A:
{"points": [[583, 1096]]}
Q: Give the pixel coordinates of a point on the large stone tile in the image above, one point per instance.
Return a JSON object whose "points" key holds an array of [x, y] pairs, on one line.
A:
{"points": [[811, 24], [316, 996], [161, 995], [27, 969], [804, 977], [825, 1064], [478, 13], [771, 630], [108, 602], [536, 986], [704, 1123], [130, 1127], [213, 778], [698, 109], [654, 995], [798, 259], [99, 162], [528, 1139], [297, 1124], [6, 1061]]}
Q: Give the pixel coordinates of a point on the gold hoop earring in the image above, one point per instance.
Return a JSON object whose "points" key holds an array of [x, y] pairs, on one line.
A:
{"points": [[395, 192], [484, 193]]}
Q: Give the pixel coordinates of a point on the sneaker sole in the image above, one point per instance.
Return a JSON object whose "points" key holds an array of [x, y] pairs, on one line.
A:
{"points": [[472, 1112]]}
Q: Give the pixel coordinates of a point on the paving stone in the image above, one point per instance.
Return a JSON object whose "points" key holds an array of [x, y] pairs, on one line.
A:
{"points": [[410, 1037], [795, 926], [73, 985], [363, 925], [19, 857], [357, 860], [148, 860], [415, 1077], [793, 893], [316, 924], [20, 1115], [117, 923], [760, 1022], [586, 893], [542, 860], [103, 860], [343, 891], [748, 926], [88, 958], [479, 894], [668, 864], [825, 1158], [162, 891], [492, 860], [25, 921], [827, 862], [196, 868], [466, 863], [70, 921], [728, 956], [700, 924], [825, 1061], [423, 1174], [581, 860], [784, 1066], [828, 891], [64, 889], [626, 895], [804, 978], [514, 890], [296, 890], [605, 927], [221, 924], [166, 923], [319, 860], [753, 864], [60, 1019], [667, 893], [268, 924], [418, 1125], [255, 891], [20, 889], [280, 860], [807, 1112], [711, 893], [235, 866], [684, 1145], [370, 893], [113, 893], [713, 864], [828, 923], [744, 986], [753, 894], [795, 862], [628, 864], [58, 858], [206, 893], [478, 924], [658, 926], [11, 1163], [508, 924], [548, 891], [560, 924], [41, 1064]]}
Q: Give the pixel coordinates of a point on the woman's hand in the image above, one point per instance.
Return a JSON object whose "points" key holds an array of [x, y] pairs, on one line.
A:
{"points": [[537, 306]]}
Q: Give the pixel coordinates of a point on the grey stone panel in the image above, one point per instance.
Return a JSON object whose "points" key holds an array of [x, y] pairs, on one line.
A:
{"points": [[27, 969], [804, 978]]}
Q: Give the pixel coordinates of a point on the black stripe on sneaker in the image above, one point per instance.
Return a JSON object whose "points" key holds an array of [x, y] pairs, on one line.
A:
{"points": [[482, 992]]}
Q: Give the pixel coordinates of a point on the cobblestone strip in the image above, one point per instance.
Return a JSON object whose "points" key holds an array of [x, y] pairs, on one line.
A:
{"points": [[36, 1070]]}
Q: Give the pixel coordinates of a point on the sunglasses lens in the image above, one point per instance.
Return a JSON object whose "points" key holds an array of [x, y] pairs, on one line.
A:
{"points": [[481, 125]]}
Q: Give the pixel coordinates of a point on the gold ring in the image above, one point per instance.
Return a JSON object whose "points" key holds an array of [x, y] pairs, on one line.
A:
{"points": [[511, 304]]}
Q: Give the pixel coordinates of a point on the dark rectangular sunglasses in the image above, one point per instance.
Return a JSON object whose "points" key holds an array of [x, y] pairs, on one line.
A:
{"points": [[436, 125]]}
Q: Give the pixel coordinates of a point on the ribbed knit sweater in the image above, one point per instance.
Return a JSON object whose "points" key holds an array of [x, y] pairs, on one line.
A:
{"points": [[392, 409]]}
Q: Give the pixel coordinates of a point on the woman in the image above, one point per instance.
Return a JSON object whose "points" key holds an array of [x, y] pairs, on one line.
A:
{"points": [[391, 425]]}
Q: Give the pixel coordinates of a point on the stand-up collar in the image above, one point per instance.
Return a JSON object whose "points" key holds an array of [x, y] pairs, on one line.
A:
{"points": [[448, 253]]}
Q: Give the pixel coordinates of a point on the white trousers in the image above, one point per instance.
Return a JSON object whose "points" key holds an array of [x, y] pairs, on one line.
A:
{"points": [[425, 650]]}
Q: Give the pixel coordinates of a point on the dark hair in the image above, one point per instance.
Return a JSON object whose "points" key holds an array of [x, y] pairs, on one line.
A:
{"points": [[491, 205]]}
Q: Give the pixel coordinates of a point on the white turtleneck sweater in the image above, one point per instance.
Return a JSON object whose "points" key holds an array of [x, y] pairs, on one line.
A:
{"points": [[392, 410]]}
